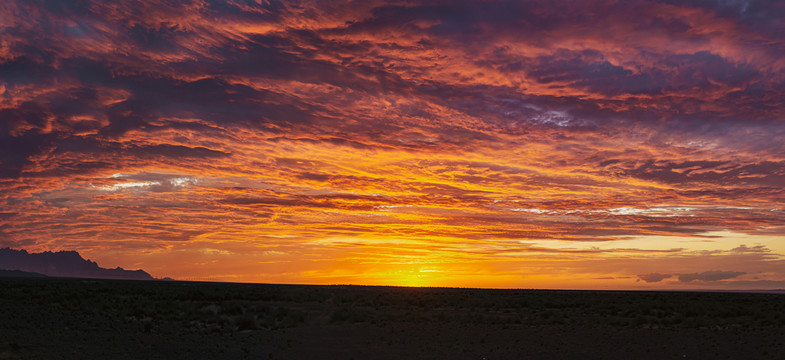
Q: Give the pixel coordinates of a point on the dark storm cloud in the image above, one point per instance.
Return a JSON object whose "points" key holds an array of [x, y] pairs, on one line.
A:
{"points": [[174, 151], [590, 70], [765, 173], [24, 70], [281, 55], [657, 73], [212, 100], [759, 14]]}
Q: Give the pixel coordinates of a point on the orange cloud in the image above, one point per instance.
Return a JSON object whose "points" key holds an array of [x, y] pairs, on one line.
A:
{"points": [[501, 144]]}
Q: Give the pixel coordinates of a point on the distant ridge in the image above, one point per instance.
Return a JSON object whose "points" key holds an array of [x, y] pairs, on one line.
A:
{"points": [[63, 264], [20, 274]]}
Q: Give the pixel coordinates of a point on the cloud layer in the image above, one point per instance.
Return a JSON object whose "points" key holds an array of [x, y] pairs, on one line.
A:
{"points": [[488, 143]]}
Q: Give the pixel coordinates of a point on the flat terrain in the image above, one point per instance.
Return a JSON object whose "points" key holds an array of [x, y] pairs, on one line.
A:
{"points": [[50, 318]]}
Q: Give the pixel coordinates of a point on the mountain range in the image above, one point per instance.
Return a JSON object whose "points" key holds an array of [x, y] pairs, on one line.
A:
{"points": [[64, 264]]}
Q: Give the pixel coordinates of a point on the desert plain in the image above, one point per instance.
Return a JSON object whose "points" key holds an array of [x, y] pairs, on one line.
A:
{"points": [[60, 318]]}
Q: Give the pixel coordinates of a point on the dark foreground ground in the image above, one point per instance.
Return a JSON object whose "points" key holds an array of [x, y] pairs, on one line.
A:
{"points": [[101, 319]]}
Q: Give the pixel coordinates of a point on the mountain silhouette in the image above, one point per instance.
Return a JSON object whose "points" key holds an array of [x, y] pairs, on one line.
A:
{"points": [[64, 264], [20, 274]]}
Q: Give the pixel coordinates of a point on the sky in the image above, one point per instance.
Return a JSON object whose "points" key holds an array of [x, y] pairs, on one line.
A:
{"points": [[514, 144]]}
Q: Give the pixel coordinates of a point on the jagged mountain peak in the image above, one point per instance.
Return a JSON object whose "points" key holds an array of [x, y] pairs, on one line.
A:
{"points": [[63, 264]]}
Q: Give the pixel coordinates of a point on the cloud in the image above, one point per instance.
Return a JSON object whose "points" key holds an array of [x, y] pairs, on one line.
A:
{"points": [[653, 277], [757, 249], [453, 127], [708, 276]]}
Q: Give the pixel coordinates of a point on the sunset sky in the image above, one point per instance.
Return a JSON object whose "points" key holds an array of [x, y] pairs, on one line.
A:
{"points": [[524, 144]]}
